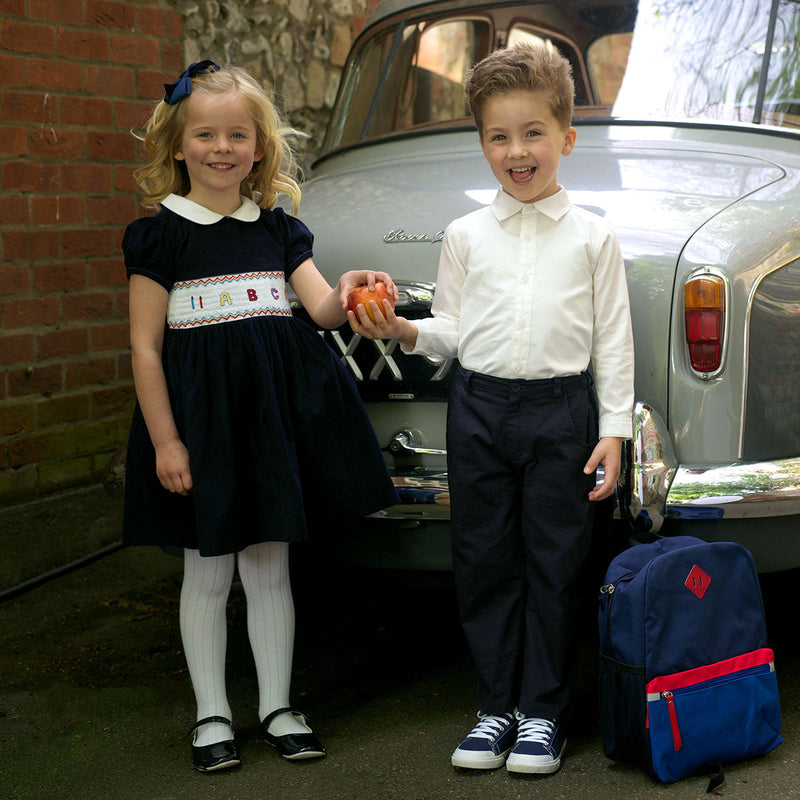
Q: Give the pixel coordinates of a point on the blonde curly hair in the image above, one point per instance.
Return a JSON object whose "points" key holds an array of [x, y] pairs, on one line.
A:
{"points": [[163, 174]]}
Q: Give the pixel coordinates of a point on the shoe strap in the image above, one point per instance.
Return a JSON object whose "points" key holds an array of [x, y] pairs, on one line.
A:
{"points": [[206, 720], [265, 723]]}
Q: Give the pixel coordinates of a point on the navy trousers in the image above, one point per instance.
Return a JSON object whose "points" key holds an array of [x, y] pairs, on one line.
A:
{"points": [[521, 527]]}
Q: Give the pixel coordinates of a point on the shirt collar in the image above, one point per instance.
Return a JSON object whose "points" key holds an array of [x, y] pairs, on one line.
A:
{"points": [[505, 206], [248, 211]]}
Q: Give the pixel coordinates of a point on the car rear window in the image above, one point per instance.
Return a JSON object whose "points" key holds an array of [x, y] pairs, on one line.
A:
{"points": [[652, 59]]}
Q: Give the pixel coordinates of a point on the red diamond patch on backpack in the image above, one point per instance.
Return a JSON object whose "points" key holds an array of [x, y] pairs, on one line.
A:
{"points": [[697, 582]]}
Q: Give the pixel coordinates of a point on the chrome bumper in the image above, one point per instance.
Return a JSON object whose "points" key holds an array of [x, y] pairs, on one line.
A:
{"points": [[652, 486], [655, 487], [424, 495]]}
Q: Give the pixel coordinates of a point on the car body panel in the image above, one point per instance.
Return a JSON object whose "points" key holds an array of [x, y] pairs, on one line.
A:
{"points": [[679, 182], [713, 192]]}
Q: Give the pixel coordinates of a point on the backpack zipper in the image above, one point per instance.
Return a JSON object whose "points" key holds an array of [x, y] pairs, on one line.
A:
{"points": [[609, 589], [673, 720]]}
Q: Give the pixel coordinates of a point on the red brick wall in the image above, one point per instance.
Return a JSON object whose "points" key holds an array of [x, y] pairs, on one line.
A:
{"points": [[76, 77]]}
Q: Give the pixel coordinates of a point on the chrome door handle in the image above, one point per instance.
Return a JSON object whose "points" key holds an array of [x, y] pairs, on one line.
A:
{"points": [[406, 442]]}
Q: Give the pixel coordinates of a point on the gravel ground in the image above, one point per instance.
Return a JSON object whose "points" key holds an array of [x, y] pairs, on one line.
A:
{"points": [[95, 700]]}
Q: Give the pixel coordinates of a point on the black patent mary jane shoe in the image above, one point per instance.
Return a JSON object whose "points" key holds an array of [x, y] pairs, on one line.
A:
{"points": [[293, 746], [212, 757]]}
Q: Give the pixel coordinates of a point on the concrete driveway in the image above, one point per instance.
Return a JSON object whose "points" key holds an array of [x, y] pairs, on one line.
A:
{"points": [[95, 701]]}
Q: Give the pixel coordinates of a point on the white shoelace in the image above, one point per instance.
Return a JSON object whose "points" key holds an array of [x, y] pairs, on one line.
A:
{"points": [[490, 727], [533, 729]]}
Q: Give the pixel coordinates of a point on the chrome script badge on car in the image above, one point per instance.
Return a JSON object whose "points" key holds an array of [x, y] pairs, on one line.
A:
{"points": [[399, 236]]}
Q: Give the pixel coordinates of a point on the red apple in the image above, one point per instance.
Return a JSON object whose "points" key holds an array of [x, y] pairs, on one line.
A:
{"points": [[362, 294]]}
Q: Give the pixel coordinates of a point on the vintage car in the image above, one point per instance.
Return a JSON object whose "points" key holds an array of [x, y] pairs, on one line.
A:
{"points": [[688, 120]]}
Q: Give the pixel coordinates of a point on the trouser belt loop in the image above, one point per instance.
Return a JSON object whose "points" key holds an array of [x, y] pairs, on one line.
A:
{"points": [[556, 387]]}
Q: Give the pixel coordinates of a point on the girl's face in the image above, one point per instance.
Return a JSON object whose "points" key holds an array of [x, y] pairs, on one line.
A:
{"points": [[523, 143], [219, 146]]}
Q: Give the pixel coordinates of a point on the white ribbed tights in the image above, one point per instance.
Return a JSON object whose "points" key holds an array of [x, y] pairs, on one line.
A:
{"points": [[264, 571]]}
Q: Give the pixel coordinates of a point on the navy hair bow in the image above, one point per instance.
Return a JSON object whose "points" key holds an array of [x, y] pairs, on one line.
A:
{"points": [[183, 86]]}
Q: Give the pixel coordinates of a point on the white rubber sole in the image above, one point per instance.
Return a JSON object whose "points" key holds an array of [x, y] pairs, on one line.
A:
{"points": [[535, 765], [464, 759]]}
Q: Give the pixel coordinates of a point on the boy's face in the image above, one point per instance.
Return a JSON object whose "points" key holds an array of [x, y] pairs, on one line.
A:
{"points": [[523, 144]]}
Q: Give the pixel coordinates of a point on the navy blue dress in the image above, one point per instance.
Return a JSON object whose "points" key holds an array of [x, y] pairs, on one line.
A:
{"points": [[278, 439]]}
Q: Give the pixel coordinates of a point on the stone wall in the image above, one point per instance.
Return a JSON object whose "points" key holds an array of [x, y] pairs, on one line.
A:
{"points": [[297, 48]]}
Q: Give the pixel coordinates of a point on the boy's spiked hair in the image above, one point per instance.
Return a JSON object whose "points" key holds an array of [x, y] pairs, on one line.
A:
{"points": [[539, 68]]}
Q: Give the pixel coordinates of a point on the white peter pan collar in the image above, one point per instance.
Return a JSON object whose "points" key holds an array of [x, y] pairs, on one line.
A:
{"points": [[248, 211]]}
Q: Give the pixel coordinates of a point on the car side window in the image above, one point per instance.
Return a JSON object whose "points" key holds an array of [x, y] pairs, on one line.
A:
{"points": [[431, 88], [607, 59], [525, 34], [358, 91], [407, 76]]}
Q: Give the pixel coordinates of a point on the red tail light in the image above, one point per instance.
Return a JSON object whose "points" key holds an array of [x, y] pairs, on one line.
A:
{"points": [[704, 314]]}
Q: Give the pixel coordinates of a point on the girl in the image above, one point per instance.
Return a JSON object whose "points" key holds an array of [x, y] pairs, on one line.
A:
{"points": [[235, 448]]}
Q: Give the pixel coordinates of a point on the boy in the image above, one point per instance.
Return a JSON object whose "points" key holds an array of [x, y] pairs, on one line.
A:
{"points": [[530, 290]]}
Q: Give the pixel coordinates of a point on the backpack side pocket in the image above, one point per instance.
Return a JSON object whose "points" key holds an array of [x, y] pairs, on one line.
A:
{"points": [[623, 712]]}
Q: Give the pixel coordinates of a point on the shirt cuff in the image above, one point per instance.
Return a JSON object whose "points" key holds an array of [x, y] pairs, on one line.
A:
{"points": [[620, 425], [430, 342]]}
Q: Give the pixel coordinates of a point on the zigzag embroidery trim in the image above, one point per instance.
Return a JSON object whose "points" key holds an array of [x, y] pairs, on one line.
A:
{"points": [[256, 312], [227, 279]]}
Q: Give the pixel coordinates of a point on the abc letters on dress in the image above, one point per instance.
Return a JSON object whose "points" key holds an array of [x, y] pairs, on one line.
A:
{"points": [[225, 298]]}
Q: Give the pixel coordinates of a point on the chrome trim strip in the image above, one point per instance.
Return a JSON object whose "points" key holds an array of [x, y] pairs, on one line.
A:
{"points": [[415, 295]]}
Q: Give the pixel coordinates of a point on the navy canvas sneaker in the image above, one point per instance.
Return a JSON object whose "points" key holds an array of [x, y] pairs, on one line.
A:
{"points": [[540, 745], [488, 743]]}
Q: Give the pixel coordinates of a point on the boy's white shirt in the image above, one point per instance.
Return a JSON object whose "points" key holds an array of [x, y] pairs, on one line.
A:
{"points": [[536, 290]]}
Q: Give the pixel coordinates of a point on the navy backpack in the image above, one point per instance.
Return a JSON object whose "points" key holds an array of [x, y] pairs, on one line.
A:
{"points": [[687, 682]]}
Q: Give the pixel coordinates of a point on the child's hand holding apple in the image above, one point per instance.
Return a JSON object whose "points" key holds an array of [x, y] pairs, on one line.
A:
{"points": [[363, 295], [371, 311]]}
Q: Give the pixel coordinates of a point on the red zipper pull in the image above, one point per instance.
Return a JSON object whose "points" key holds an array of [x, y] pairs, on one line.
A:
{"points": [[673, 720]]}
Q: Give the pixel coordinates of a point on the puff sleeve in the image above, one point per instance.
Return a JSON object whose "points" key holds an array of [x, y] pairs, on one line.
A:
{"points": [[149, 250], [298, 241]]}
